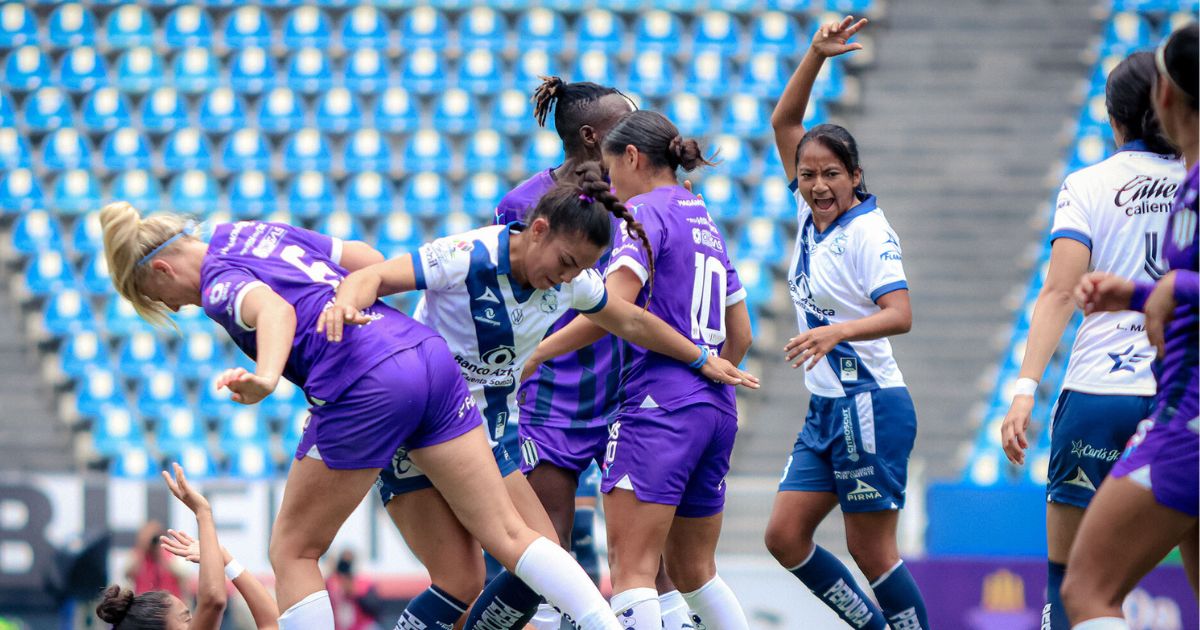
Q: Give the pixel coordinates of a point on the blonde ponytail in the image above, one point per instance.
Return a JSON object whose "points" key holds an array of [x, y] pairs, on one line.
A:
{"points": [[127, 239]]}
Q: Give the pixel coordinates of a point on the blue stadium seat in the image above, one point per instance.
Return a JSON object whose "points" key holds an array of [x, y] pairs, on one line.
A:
{"points": [[20, 191], [187, 27], [71, 25], [140, 70], [338, 111], [121, 320], [689, 113], [176, 427], [201, 356], [425, 195], [252, 71], [760, 240], [341, 224], [138, 187], [187, 149], [1127, 32], [544, 148], [76, 191], [293, 428], [456, 223], [197, 463], [195, 70], [82, 69], [599, 30], [455, 112], [594, 66], [48, 272], [774, 32], [792, 6], [398, 232], [252, 194], [125, 149], [484, 28], [8, 113], [365, 26], [487, 150], [194, 192], [531, 66], [132, 461], [248, 426], [65, 149], [368, 194], [307, 150], [1179, 18], [773, 199], [366, 71], [427, 150], [830, 84], [129, 26], [481, 72], [163, 111], [424, 27], [541, 29], [512, 114], [67, 313], [395, 111], [26, 68], [756, 279], [114, 428], [423, 72], [746, 116], [14, 150], [47, 109], [716, 31], [96, 280], [764, 75], [367, 150], [1089, 149], [309, 72], [723, 197], [735, 155], [106, 109], [848, 7], [481, 194], [281, 111], [251, 460], [246, 27], [86, 236], [141, 355], [36, 231], [81, 351], [651, 74], [246, 150], [222, 111], [214, 404], [18, 25], [307, 27], [657, 30], [735, 6], [311, 195]]}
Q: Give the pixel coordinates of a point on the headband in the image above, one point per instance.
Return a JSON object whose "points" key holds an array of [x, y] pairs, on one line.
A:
{"points": [[187, 230]]}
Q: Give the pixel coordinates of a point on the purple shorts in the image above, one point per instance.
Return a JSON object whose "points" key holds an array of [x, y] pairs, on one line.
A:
{"points": [[1164, 458], [570, 449], [675, 458], [414, 398]]}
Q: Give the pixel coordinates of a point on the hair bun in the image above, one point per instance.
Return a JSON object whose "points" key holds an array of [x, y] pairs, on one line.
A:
{"points": [[115, 605]]}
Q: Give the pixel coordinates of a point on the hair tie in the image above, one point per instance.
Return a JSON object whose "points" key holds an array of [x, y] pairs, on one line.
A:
{"points": [[187, 230], [587, 198]]}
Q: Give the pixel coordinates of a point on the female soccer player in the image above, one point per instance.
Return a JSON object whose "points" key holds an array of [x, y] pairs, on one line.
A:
{"points": [[159, 609], [850, 293], [1105, 214], [392, 383], [1149, 502], [494, 293]]}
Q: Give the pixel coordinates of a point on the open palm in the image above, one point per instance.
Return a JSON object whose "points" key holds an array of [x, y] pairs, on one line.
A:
{"points": [[833, 38]]}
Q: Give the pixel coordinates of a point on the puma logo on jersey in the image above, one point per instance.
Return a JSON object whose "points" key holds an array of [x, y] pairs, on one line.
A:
{"points": [[1081, 479], [863, 491]]}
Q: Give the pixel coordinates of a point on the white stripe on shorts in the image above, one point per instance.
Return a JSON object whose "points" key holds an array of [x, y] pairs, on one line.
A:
{"points": [[866, 420]]}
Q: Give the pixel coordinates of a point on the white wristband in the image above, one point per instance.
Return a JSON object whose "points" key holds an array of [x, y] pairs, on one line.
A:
{"points": [[1025, 387], [233, 569]]}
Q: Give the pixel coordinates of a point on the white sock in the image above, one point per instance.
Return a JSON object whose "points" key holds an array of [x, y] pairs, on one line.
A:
{"points": [[311, 613], [547, 618], [717, 607], [674, 612], [638, 609], [1102, 623], [548, 569]]}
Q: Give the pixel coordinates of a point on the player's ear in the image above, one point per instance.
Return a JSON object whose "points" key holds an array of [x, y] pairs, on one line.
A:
{"points": [[631, 155], [540, 228], [161, 266], [588, 135], [857, 178]]}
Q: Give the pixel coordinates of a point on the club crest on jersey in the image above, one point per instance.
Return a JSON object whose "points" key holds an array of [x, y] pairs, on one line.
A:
{"points": [[517, 316], [848, 369], [549, 302], [218, 292], [838, 246]]}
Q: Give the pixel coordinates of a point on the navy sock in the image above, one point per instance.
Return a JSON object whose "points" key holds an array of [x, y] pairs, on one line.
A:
{"points": [[1054, 616], [491, 566], [832, 583], [506, 602], [583, 542], [901, 600], [434, 608]]}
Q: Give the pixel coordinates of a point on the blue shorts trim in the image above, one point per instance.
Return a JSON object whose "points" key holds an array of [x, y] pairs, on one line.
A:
{"points": [[1088, 433], [589, 483], [403, 476]]}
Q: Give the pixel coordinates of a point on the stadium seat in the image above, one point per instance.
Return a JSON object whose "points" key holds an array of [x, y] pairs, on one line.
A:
{"points": [[1090, 148], [142, 355], [338, 111], [484, 28], [18, 25], [773, 199], [541, 29], [245, 427], [689, 113], [599, 30], [531, 66], [121, 320], [311, 195], [760, 240], [86, 236], [252, 194], [307, 150], [125, 149], [423, 27], [716, 31], [456, 223], [195, 70], [139, 188], [187, 149], [455, 112], [246, 27], [365, 27], [594, 66], [76, 191], [214, 404], [47, 109], [366, 71], [195, 460], [427, 150], [252, 71], [735, 6], [96, 279], [20, 191], [65, 149], [367, 150], [36, 231], [106, 109], [129, 26], [81, 351], [222, 111], [481, 194], [722, 196], [293, 428], [657, 30], [487, 150], [140, 70], [395, 111], [71, 25], [246, 150], [756, 279], [774, 32], [848, 7], [26, 68], [746, 116], [67, 313], [281, 111], [194, 192], [764, 76], [307, 27], [651, 74], [114, 427], [8, 113], [425, 195], [830, 84], [132, 461], [481, 72], [543, 151], [250, 460], [201, 356], [341, 224], [14, 150], [734, 155], [82, 69], [368, 194], [176, 426], [423, 72], [1125, 33], [398, 232], [512, 113], [187, 27], [309, 72], [163, 111], [792, 6], [1179, 18]]}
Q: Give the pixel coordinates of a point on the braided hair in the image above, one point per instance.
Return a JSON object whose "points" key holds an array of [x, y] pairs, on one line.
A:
{"points": [[573, 107]]}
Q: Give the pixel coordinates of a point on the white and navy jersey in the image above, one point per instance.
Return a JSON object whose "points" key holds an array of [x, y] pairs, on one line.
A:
{"points": [[491, 323], [1118, 209], [838, 275]]}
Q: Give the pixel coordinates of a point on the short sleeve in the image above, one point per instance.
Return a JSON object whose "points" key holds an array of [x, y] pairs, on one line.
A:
{"points": [[588, 292], [1070, 216], [443, 263], [628, 251], [223, 293], [318, 243], [734, 291], [879, 262]]}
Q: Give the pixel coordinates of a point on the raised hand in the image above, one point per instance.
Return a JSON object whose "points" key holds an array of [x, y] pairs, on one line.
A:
{"points": [[832, 39], [183, 491], [247, 387]]}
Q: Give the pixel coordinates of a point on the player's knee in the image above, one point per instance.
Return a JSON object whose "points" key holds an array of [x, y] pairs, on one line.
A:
{"points": [[1083, 589], [689, 574], [873, 557], [787, 545]]}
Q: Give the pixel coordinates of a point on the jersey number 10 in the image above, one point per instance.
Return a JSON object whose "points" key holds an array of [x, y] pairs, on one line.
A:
{"points": [[709, 279]]}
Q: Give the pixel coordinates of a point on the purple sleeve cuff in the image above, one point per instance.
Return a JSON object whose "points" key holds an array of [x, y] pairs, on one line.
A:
{"points": [[1187, 286], [1141, 291]]}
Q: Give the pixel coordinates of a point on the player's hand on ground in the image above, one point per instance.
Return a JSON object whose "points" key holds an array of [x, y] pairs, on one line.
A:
{"points": [[832, 39], [810, 346], [1160, 308], [1013, 430], [334, 319], [247, 387], [721, 371], [183, 491], [1098, 291], [183, 545]]}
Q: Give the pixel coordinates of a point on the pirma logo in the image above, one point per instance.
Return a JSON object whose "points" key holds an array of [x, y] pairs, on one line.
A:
{"points": [[863, 491]]}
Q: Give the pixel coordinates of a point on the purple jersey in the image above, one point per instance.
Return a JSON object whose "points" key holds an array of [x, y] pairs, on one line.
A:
{"points": [[577, 390], [302, 267], [686, 244], [1177, 379]]}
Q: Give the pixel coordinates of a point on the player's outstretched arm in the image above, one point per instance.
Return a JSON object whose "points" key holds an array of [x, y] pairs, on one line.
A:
{"points": [[360, 289], [210, 591], [357, 255], [274, 322], [262, 605]]}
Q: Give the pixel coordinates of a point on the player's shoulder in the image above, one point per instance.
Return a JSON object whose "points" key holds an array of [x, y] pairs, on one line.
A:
{"points": [[525, 195]]}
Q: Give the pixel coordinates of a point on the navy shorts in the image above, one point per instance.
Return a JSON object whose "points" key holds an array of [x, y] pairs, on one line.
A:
{"points": [[403, 476], [856, 447], [1087, 436]]}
